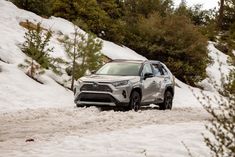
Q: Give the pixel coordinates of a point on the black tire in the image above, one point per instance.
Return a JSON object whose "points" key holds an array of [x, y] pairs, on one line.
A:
{"points": [[80, 106], [168, 100], [135, 101]]}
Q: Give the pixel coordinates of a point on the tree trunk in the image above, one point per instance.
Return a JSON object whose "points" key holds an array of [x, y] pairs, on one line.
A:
{"points": [[32, 70], [74, 57], [221, 15]]}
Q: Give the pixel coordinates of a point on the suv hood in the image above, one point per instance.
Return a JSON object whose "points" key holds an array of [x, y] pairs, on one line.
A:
{"points": [[108, 78]]}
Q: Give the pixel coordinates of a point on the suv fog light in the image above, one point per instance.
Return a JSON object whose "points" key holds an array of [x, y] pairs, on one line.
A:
{"points": [[124, 93]]}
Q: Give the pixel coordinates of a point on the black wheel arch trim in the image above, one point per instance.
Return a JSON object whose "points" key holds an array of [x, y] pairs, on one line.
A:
{"points": [[170, 89]]}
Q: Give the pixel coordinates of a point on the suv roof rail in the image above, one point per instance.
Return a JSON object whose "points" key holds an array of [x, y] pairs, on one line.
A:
{"points": [[118, 60], [154, 61]]}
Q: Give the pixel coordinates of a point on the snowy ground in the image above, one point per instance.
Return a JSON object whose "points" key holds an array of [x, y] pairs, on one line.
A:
{"points": [[151, 141], [91, 132]]}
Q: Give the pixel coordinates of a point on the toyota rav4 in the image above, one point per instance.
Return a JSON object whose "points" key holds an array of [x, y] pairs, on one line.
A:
{"points": [[127, 83]]}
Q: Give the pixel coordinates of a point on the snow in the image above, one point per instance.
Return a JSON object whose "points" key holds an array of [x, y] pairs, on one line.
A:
{"points": [[114, 51], [18, 91], [217, 70], [91, 132], [187, 96], [152, 141]]}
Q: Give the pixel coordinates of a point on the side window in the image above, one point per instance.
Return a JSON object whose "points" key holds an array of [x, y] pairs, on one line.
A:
{"points": [[147, 69], [158, 70], [164, 70]]}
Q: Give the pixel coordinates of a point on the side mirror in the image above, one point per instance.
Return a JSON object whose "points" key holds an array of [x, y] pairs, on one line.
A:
{"points": [[148, 75], [93, 71]]}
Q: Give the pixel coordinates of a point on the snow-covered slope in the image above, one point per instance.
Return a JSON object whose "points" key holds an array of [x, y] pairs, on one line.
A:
{"points": [[218, 70], [18, 91]]}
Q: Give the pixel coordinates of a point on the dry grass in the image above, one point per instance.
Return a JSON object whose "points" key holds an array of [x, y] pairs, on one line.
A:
{"points": [[30, 26], [106, 59]]}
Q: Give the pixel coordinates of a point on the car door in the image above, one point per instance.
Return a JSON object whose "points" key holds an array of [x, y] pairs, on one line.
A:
{"points": [[148, 84], [160, 76]]}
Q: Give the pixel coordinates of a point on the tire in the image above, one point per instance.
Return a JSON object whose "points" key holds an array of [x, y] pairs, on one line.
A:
{"points": [[135, 101], [80, 106], [168, 99]]}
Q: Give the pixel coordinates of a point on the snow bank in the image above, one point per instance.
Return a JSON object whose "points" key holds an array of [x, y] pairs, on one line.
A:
{"points": [[18, 91], [187, 96]]}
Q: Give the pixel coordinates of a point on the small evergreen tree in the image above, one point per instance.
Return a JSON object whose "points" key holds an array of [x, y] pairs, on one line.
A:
{"points": [[86, 48], [36, 47]]}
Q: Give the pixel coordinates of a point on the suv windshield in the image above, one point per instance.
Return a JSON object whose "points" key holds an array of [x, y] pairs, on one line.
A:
{"points": [[120, 68]]}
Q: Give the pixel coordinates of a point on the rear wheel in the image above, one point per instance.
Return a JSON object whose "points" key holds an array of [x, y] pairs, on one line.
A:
{"points": [[135, 101], [168, 99]]}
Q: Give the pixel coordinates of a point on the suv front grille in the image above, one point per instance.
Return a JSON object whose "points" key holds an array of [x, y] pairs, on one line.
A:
{"points": [[96, 87], [95, 97]]}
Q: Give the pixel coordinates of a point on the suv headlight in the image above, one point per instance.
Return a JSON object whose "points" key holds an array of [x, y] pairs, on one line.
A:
{"points": [[120, 83]]}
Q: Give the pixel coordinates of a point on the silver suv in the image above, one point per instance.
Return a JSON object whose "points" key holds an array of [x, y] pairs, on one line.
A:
{"points": [[127, 83]]}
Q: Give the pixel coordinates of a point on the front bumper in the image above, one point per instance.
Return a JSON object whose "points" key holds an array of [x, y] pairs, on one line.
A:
{"points": [[117, 97]]}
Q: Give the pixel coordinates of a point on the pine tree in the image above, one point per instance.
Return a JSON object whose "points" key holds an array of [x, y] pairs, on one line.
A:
{"points": [[86, 48], [221, 15], [226, 15], [90, 16], [39, 7], [226, 26], [64, 8], [175, 41], [36, 47]]}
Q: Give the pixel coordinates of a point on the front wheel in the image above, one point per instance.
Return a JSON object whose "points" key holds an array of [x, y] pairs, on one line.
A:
{"points": [[168, 100], [135, 101]]}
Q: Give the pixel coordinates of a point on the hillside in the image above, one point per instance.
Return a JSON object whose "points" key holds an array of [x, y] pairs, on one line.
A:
{"points": [[18, 91]]}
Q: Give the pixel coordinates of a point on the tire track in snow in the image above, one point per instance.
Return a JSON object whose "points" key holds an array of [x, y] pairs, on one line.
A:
{"points": [[44, 123]]}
